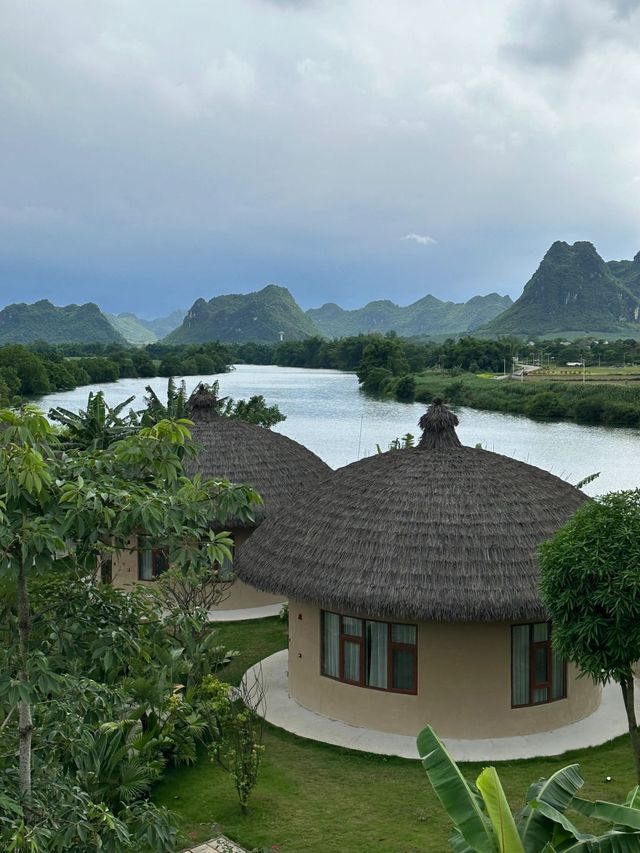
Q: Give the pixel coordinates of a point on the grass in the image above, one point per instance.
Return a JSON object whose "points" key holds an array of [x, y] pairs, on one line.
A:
{"points": [[594, 403], [255, 639], [312, 798]]}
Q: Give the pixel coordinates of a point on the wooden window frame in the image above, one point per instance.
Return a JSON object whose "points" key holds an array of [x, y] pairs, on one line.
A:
{"points": [[533, 684], [392, 646], [157, 554]]}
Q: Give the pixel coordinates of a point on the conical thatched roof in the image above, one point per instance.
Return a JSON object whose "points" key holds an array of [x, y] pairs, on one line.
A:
{"points": [[276, 466], [439, 531]]}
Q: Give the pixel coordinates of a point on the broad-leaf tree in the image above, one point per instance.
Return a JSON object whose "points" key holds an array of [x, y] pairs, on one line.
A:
{"points": [[590, 584], [66, 509]]}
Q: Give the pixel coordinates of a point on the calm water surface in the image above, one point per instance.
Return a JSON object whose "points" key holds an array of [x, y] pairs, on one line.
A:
{"points": [[327, 413]]}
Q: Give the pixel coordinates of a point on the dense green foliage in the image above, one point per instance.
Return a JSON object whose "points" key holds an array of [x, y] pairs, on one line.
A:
{"points": [[22, 323], [574, 289], [99, 689], [426, 316], [590, 584], [259, 317], [43, 368]]}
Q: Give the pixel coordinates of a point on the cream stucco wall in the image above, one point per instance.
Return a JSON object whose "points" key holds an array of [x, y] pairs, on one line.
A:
{"points": [[464, 684], [239, 595]]}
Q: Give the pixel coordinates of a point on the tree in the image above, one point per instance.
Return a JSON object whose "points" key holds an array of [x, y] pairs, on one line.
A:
{"points": [[254, 410], [590, 584], [97, 426], [64, 508], [484, 823]]}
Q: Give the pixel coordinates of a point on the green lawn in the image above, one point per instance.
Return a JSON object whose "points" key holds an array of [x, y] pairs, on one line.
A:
{"points": [[313, 798]]}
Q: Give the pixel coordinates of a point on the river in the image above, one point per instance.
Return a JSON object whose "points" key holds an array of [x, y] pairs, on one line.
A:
{"points": [[327, 412]]}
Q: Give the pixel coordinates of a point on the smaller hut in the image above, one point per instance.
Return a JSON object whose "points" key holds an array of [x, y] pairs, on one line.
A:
{"points": [[412, 579], [278, 468]]}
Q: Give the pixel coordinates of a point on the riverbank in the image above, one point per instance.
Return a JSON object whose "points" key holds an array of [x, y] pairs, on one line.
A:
{"points": [[592, 404]]}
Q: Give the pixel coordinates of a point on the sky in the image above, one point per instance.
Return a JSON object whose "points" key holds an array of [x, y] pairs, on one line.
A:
{"points": [[153, 152]]}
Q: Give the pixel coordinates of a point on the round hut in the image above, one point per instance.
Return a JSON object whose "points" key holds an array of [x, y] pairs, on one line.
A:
{"points": [[278, 468], [412, 584]]}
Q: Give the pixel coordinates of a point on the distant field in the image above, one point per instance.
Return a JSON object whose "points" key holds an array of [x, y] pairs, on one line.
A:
{"points": [[606, 398], [616, 375]]}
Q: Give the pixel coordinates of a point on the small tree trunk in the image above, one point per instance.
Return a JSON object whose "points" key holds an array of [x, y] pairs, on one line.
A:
{"points": [[627, 686], [25, 721]]}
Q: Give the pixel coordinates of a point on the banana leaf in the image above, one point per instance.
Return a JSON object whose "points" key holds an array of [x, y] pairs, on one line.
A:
{"points": [[624, 816], [499, 812], [463, 805], [558, 791]]}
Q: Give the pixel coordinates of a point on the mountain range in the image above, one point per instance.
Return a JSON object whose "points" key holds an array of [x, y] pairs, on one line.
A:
{"points": [[575, 290], [261, 317], [138, 331], [22, 323], [426, 316]]}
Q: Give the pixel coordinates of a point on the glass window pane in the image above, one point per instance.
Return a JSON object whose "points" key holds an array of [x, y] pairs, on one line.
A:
{"points": [[377, 635], [351, 661], [541, 664], [331, 644], [541, 695], [403, 669], [351, 626], [520, 664], [145, 562], [403, 634], [540, 632], [558, 686], [160, 562]]}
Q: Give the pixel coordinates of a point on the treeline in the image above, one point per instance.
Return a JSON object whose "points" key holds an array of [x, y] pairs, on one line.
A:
{"points": [[41, 368]]}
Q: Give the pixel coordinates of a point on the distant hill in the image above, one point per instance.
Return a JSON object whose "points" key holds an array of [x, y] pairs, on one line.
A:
{"points": [[43, 321], [239, 318], [573, 289], [161, 326], [426, 316], [132, 329], [138, 331]]}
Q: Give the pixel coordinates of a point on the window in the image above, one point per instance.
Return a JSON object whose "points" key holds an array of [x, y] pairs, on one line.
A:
{"points": [[538, 674], [369, 653], [151, 561]]}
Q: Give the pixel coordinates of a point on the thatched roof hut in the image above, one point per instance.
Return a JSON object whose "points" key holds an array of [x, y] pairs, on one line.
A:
{"points": [[276, 466], [436, 532]]}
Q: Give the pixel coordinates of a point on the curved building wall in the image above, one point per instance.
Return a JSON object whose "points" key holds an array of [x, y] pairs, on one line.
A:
{"points": [[239, 595], [463, 684]]}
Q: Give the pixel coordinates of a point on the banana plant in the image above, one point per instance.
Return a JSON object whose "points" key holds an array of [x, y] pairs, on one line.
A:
{"points": [[484, 822]]}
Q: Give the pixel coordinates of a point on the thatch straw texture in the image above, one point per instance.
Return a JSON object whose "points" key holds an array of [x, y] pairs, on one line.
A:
{"points": [[276, 466], [444, 533]]}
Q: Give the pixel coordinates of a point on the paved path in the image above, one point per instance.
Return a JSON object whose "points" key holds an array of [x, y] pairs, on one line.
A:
{"points": [[217, 845], [607, 722], [248, 613]]}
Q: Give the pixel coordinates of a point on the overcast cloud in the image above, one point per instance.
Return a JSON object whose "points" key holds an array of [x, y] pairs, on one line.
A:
{"points": [[153, 152]]}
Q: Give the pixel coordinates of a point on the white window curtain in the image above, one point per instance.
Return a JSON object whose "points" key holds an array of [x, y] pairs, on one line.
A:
{"points": [[404, 634], [146, 559], [520, 664], [331, 644], [377, 654]]}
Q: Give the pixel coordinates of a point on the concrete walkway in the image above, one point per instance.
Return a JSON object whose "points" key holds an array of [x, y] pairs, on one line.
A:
{"points": [[221, 844], [607, 722], [247, 613]]}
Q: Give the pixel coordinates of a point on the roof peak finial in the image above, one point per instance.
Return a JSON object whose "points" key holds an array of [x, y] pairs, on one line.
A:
{"points": [[204, 398], [438, 425]]}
